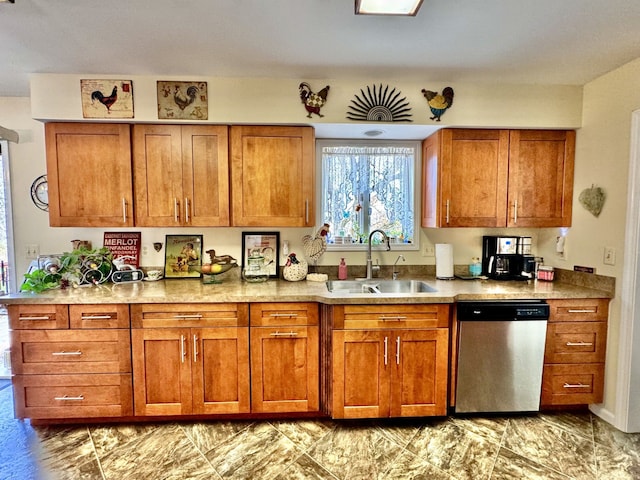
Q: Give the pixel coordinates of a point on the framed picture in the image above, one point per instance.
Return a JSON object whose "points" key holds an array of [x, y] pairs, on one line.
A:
{"points": [[266, 244], [183, 100], [107, 98], [183, 256]]}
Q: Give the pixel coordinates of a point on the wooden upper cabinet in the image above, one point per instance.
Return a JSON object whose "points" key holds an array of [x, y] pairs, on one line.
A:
{"points": [[497, 178], [540, 178], [181, 175], [89, 174], [272, 176]]}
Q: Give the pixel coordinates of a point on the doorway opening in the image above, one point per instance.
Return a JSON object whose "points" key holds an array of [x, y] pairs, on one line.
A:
{"points": [[6, 258]]}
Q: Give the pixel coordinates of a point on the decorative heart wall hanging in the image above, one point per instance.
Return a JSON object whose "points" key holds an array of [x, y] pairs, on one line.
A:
{"points": [[592, 199]]}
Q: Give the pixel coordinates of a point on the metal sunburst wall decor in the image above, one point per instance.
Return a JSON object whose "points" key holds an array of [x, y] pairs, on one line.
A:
{"points": [[379, 105]]}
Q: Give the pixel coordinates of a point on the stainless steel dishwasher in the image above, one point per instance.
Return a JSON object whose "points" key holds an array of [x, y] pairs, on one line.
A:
{"points": [[500, 355]]}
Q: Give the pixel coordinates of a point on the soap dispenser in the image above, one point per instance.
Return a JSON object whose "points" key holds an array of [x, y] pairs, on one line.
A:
{"points": [[342, 270]]}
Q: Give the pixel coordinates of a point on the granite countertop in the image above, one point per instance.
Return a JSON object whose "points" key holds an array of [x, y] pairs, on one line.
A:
{"points": [[235, 290]]}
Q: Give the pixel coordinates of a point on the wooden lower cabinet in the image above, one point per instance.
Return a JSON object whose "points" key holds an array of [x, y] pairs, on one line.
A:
{"points": [[184, 371], [397, 373]]}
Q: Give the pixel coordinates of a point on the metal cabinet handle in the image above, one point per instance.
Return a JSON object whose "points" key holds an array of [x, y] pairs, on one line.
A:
{"points": [[386, 347], [67, 398], [515, 211], [582, 311], [44, 317], [188, 316], [398, 351], [124, 210], [186, 210], [579, 344], [96, 317], [447, 213], [306, 211], [195, 348], [385, 318], [176, 212], [283, 334], [287, 315], [183, 351], [64, 353], [576, 385]]}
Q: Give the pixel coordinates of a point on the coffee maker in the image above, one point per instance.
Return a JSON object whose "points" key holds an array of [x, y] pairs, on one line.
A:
{"points": [[507, 257]]}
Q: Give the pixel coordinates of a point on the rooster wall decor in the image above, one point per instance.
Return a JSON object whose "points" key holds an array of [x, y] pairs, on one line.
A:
{"points": [[106, 98], [313, 102], [186, 100], [438, 104], [379, 105], [315, 246]]}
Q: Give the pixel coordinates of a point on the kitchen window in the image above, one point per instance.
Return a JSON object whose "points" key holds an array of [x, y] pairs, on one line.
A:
{"points": [[368, 186]]}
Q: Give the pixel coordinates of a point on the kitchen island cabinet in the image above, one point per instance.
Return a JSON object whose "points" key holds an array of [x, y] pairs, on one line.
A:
{"points": [[272, 176], [389, 361], [89, 174], [498, 178], [190, 359], [285, 365], [181, 175]]}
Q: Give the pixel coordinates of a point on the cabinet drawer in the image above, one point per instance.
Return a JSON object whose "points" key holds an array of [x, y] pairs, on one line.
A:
{"points": [[391, 316], [572, 384], [70, 351], [576, 342], [583, 309], [28, 317], [73, 396], [189, 315], [99, 316], [275, 314]]}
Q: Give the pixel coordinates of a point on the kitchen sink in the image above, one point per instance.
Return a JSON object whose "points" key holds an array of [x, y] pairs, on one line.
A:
{"points": [[379, 287]]}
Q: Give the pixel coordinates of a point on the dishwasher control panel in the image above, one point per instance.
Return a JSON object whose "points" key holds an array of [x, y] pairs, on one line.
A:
{"points": [[503, 310]]}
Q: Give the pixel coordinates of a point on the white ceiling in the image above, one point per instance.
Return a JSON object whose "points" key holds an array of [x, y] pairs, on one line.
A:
{"points": [[455, 41]]}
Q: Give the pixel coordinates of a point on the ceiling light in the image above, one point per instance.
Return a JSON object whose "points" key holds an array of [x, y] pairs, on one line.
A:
{"points": [[7, 1], [373, 133], [387, 7]]}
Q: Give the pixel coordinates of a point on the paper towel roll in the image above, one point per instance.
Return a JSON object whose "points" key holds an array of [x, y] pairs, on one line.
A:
{"points": [[444, 261]]}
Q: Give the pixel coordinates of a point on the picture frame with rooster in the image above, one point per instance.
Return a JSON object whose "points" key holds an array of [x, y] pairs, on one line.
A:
{"points": [[179, 100], [106, 98], [265, 244]]}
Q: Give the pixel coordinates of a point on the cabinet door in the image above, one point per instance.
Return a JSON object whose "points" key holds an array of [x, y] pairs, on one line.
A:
{"points": [[272, 176], [89, 175], [419, 374], [541, 178], [285, 369], [161, 371], [361, 374], [220, 374], [157, 163], [205, 153], [473, 178]]}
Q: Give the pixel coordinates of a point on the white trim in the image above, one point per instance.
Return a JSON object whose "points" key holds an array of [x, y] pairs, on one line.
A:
{"points": [[627, 417]]}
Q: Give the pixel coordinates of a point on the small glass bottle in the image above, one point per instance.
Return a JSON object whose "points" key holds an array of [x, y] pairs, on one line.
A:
{"points": [[475, 267], [342, 270]]}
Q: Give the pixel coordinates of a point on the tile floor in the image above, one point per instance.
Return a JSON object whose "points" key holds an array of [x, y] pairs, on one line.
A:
{"points": [[558, 446]]}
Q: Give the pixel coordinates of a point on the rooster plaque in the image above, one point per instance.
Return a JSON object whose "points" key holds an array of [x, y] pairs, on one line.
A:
{"points": [[313, 101], [438, 103], [107, 98], [183, 100]]}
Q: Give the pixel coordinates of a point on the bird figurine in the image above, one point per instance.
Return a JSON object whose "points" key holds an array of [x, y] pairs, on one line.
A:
{"points": [[313, 102], [438, 103], [315, 246]]}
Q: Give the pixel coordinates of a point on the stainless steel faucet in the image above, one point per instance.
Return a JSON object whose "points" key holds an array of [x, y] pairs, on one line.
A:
{"points": [[394, 274], [369, 266]]}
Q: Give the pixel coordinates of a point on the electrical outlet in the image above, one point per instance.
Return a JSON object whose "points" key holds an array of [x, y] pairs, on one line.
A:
{"points": [[428, 250], [609, 256], [31, 251]]}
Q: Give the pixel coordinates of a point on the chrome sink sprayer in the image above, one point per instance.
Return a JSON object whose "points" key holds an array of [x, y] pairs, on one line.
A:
{"points": [[369, 266]]}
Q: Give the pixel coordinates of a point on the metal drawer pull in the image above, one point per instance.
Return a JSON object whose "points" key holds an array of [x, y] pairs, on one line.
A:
{"points": [[67, 398], [124, 210], [396, 317], [576, 385], [44, 317], [77, 352], [96, 317], [284, 334], [287, 315], [188, 316], [579, 344], [183, 351], [582, 311]]}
